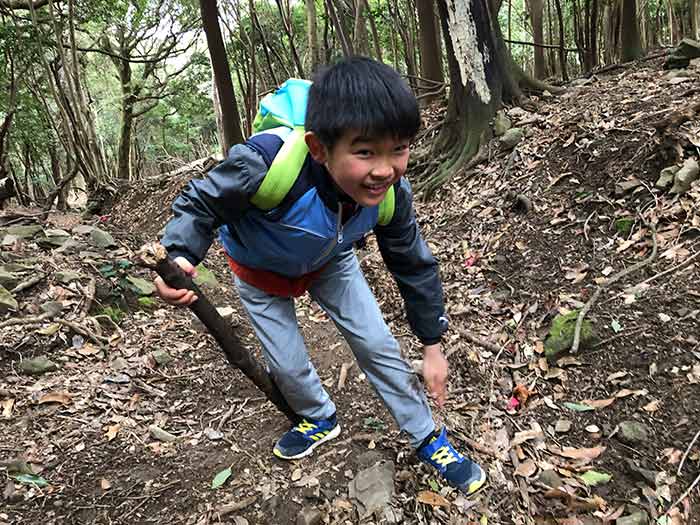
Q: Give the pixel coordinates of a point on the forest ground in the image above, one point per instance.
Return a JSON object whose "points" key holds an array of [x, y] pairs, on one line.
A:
{"points": [[524, 236]]}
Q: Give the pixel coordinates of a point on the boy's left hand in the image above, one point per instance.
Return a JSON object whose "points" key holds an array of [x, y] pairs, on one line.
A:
{"points": [[435, 372]]}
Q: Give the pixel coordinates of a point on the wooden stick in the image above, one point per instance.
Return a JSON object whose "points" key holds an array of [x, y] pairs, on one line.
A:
{"points": [[619, 275], [687, 451], [155, 257]]}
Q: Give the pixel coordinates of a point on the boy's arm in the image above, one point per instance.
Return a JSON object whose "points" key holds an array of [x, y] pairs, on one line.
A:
{"points": [[205, 204], [414, 268]]}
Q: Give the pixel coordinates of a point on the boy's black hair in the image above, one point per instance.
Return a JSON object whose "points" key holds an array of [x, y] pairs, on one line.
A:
{"points": [[359, 93]]}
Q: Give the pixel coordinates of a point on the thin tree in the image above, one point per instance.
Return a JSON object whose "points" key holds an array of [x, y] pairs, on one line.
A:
{"points": [[630, 44], [536, 12], [430, 51]]}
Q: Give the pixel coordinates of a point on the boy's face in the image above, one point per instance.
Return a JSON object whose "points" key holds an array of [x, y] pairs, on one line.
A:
{"points": [[362, 167]]}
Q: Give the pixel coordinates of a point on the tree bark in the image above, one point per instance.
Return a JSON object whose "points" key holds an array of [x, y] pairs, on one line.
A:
{"points": [[536, 10], [312, 34], [631, 47], [231, 122], [345, 42], [693, 14], [562, 36], [375, 33], [430, 52]]}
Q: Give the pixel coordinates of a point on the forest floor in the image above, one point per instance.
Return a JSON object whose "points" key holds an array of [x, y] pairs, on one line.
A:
{"points": [[115, 408]]}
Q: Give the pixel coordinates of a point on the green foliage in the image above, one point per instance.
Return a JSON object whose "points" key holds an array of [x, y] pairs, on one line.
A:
{"points": [[115, 313]]}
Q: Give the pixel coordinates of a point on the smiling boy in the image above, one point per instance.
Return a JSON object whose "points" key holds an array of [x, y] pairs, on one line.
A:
{"points": [[288, 228]]}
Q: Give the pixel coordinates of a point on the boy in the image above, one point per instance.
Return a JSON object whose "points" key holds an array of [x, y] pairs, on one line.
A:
{"points": [[358, 122]]}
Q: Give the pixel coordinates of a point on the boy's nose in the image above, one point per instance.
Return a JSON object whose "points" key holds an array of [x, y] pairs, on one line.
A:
{"points": [[382, 170]]}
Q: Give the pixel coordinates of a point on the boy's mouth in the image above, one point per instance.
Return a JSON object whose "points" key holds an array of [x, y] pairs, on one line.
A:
{"points": [[378, 188]]}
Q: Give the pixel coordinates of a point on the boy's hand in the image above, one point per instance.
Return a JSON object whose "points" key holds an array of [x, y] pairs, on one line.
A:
{"points": [[435, 372], [175, 297]]}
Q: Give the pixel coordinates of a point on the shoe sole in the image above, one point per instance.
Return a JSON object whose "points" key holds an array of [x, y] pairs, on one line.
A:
{"points": [[476, 486], [331, 435]]}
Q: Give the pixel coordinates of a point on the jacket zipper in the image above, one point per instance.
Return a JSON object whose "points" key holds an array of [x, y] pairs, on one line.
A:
{"points": [[338, 239]]}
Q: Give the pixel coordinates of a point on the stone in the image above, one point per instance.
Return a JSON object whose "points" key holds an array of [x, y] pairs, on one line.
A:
{"points": [[562, 426], [373, 488], [101, 239], [641, 474], [141, 286], [21, 231], [312, 492], [511, 138], [53, 238], [38, 365], [82, 229], [561, 335], [9, 240], [637, 518], [633, 432], [675, 61], [213, 435], [66, 276], [688, 48], [119, 364], [161, 357], [8, 279], [160, 434], [309, 516], [550, 478], [666, 177], [501, 123], [7, 301], [70, 247], [518, 113], [689, 173], [52, 308]]}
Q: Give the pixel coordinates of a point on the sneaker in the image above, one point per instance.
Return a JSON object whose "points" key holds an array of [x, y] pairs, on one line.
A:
{"points": [[303, 438], [459, 472]]}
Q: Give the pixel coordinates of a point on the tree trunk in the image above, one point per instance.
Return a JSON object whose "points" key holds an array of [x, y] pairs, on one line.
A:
{"points": [[375, 33], [593, 40], [345, 42], [312, 34], [127, 121], [430, 52], [631, 47], [231, 122], [693, 14], [289, 30], [562, 47], [536, 9], [360, 41]]}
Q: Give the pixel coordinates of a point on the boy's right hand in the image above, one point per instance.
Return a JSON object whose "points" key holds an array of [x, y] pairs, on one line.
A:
{"points": [[182, 297]]}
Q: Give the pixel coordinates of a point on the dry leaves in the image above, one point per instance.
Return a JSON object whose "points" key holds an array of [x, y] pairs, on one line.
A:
{"points": [[431, 498], [63, 398]]}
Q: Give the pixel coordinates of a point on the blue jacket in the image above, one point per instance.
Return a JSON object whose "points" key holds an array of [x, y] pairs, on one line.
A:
{"points": [[304, 232]]}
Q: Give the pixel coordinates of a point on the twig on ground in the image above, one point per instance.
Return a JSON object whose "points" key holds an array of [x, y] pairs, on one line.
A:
{"points": [[28, 283], [344, 374], [674, 269], [619, 275], [477, 341], [225, 417], [39, 319], [687, 451], [148, 388], [82, 330], [684, 495]]}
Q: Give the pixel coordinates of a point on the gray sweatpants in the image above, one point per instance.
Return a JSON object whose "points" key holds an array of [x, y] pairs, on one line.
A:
{"points": [[342, 291]]}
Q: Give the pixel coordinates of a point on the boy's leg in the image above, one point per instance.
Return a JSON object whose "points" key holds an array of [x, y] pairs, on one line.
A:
{"points": [[342, 291], [275, 323]]}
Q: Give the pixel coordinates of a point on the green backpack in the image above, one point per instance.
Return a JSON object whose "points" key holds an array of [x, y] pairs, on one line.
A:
{"points": [[286, 107]]}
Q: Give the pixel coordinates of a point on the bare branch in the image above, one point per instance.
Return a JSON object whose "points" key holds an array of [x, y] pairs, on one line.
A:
{"points": [[22, 4]]}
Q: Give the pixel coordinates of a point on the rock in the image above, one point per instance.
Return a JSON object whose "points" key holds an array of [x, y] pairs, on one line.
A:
{"points": [[66, 277], [511, 138], [580, 82], [161, 357], [141, 286], [7, 301], [119, 364], [8, 279], [22, 231], [53, 238], [9, 240], [637, 518], [561, 335], [550, 478], [309, 517], [52, 308], [82, 229], [160, 434], [70, 247], [562, 426], [518, 113], [689, 173], [501, 124], [373, 488], [676, 73], [38, 365], [641, 474], [312, 492], [101, 239], [688, 48], [667, 176], [633, 432], [676, 62], [213, 435], [628, 185]]}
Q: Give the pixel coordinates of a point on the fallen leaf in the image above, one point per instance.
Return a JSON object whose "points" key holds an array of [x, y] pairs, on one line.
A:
{"points": [[221, 478], [593, 478], [616, 326], [578, 407], [112, 432], [526, 469], [599, 403], [652, 406], [616, 376], [522, 393], [665, 318], [431, 498], [89, 349], [626, 392], [7, 406], [30, 479], [672, 455], [56, 397], [526, 435], [105, 484], [296, 475], [580, 453], [569, 360], [593, 429]]}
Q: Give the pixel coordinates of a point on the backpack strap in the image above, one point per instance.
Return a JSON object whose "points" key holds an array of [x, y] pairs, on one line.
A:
{"points": [[283, 171], [387, 207]]}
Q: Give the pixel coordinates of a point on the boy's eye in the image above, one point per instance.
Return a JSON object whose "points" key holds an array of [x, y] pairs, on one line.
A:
{"points": [[363, 152], [401, 148]]}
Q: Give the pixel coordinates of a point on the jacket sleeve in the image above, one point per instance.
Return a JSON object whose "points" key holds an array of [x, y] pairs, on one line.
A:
{"points": [[221, 197], [414, 268]]}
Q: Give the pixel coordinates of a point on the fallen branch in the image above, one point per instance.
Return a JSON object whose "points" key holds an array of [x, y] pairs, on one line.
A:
{"points": [[28, 283], [39, 319], [84, 331], [684, 495], [477, 341], [619, 275], [680, 266], [687, 451]]}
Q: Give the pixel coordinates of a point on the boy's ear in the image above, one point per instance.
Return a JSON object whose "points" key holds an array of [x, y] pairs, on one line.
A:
{"points": [[318, 151]]}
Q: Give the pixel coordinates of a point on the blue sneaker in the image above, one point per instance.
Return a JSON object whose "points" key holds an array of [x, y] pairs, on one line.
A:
{"points": [[303, 438], [459, 472]]}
